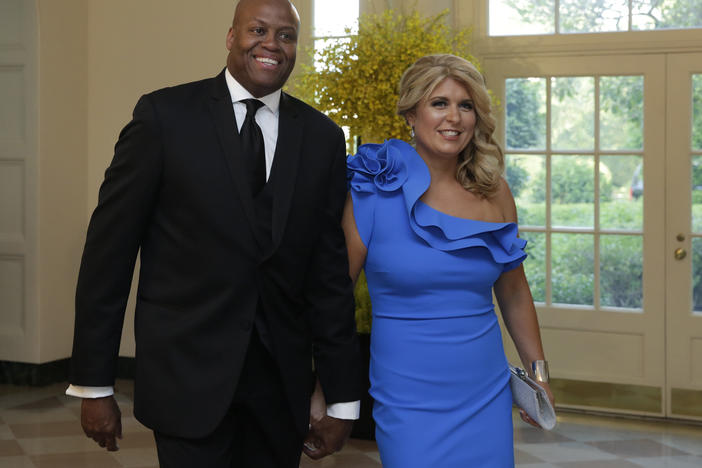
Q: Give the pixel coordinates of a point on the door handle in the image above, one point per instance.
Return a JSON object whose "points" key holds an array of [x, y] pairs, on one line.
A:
{"points": [[680, 253]]}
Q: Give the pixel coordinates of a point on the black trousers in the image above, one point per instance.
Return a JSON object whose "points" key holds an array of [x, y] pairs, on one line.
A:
{"points": [[258, 431]]}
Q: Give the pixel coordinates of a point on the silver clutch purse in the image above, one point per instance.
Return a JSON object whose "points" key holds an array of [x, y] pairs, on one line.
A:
{"points": [[532, 398]]}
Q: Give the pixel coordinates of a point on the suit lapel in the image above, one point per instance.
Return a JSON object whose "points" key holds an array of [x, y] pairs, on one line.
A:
{"points": [[285, 165], [223, 115]]}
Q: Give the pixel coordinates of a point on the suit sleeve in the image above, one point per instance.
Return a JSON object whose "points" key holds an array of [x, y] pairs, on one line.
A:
{"points": [[330, 296], [125, 203]]}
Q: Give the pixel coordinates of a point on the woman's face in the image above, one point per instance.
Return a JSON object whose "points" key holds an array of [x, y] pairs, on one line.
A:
{"points": [[444, 121]]}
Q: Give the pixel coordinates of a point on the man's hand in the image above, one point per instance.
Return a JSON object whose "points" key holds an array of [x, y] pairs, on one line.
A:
{"points": [[318, 405], [102, 421], [326, 436]]}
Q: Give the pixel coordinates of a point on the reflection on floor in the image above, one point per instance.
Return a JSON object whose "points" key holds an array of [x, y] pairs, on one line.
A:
{"points": [[39, 428]]}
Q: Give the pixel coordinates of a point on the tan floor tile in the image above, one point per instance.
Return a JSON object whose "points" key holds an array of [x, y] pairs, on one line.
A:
{"points": [[5, 432], [10, 448], [47, 429], [7, 390], [11, 416], [363, 445], [533, 435], [16, 462], [11, 396], [136, 457], [565, 452], [340, 460], [76, 460], [130, 424], [138, 440], [685, 443], [522, 457], [75, 411], [600, 464], [668, 462], [67, 444], [637, 448], [42, 404]]}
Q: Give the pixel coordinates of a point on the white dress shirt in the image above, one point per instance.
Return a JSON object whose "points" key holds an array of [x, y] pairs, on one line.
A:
{"points": [[267, 119]]}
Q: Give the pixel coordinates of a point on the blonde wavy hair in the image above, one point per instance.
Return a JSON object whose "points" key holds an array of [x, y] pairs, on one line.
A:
{"points": [[481, 163]]}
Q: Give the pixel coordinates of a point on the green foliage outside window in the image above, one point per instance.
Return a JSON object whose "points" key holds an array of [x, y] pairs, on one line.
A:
{"points": [[581, 16]]}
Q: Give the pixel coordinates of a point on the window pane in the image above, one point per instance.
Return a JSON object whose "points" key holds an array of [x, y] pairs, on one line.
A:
{"points": [[665, 14], [572, 113], [577, 16], [572, 276], [521, 17], [697, 112], [525, 113], [322, 49], [572, 191], [696, 174], [621, 271], [526, 176], [332, 18], [535, 264], [621, 112], [621, 192]]}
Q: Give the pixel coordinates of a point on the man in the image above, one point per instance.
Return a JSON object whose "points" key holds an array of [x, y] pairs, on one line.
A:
{"points": [[235, 206]]}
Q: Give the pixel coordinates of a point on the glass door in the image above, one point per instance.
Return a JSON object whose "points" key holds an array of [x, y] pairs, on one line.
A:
{"points": [[684, 236], [582, 134]]}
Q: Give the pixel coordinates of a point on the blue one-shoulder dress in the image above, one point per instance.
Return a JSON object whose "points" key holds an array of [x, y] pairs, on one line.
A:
{"points": [[439, 376]]}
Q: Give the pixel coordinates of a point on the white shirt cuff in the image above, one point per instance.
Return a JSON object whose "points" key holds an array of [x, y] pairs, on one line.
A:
{"points": [[345, 410], [89, 392]]}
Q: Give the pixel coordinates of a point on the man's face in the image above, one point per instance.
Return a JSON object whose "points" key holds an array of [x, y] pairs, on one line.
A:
{"points": [[262, 44]]}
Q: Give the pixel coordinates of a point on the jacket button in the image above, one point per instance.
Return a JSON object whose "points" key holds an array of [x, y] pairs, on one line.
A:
{"points": [[246, 324]]}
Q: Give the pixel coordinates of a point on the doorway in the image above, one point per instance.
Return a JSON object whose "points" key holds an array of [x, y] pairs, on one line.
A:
{"points": [[600, 158]]}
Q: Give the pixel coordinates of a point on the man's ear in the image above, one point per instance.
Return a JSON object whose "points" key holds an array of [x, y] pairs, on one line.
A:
{"points": [[230, 38]]}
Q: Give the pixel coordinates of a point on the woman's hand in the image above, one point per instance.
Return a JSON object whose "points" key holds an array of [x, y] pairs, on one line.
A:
{"points": [[525, 417]]}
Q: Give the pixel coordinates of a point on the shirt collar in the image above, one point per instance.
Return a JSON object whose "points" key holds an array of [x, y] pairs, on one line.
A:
{"points": [[238, 92]]}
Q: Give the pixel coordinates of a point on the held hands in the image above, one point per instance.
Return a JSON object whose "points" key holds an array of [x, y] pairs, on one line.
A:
{"points": [[327, 434], [101, 421], [525, 417]]}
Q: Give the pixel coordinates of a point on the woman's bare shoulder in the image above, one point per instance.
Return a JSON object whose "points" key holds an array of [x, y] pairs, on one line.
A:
{"points": [[505, 202]]}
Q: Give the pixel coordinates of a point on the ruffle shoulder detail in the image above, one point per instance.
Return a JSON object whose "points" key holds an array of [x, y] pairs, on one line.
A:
{"points": [[395, 165], [374, 168]]}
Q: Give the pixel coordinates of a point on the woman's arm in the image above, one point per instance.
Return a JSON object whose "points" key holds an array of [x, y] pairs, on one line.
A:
{"points": [[518, 312], [517, 304], [354, 245]]}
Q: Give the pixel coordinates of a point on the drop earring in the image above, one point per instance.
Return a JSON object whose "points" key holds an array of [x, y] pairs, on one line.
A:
{"points": [[412, 132]]}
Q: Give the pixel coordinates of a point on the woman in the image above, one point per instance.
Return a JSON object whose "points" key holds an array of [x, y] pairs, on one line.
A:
{"points": [[434, 226]]}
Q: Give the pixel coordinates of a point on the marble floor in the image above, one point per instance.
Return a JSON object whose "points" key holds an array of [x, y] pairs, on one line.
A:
{"points": [[39, 428]]}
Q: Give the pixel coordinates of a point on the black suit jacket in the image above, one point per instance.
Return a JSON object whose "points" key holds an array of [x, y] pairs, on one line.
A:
{"points": [[177, 191]]}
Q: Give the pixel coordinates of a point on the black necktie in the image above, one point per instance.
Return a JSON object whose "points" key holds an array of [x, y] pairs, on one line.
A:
{"points": [[252, 143]]}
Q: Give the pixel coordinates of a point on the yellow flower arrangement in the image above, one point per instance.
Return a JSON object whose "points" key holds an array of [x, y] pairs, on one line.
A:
{"points": [[354, 80]]}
